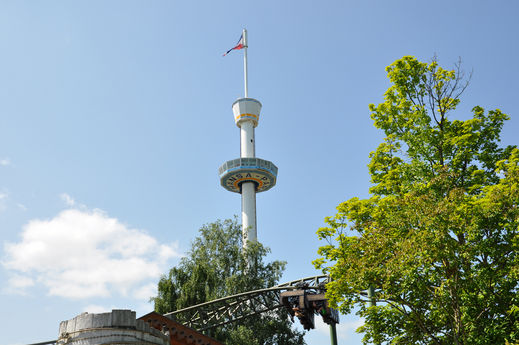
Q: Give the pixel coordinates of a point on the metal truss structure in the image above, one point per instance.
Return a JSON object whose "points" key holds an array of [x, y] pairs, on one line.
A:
{"points": [[219, 312]]}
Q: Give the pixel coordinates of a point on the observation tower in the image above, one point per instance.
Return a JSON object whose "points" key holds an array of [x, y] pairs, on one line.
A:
{"points": [[247, 175]]}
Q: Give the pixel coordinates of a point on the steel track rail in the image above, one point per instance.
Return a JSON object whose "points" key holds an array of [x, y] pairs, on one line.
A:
{"points": [[222, 311]]}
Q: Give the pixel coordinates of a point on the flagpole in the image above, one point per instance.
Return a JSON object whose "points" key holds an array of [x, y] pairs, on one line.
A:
{"points": [[245, 43]]}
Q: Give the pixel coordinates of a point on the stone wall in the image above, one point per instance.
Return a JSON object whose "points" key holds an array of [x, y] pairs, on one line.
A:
{"points": [[116, 328]]}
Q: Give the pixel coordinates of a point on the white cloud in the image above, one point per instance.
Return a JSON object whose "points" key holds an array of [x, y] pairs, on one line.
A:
{"points": [[3, 200], [146, 291], [82, 254], [97, 309], [19, 281], [17, 284], [5, 162], [69, 201]]}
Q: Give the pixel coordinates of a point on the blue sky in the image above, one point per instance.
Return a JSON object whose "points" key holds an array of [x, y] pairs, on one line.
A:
{"points": [[115, 116]]}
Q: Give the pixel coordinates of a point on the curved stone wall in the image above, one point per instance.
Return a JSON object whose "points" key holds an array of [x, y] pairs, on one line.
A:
{"points": [[119, 327]]}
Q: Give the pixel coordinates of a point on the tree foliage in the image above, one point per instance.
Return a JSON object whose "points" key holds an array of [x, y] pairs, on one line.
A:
{"points": [[438, 238], [217, 267]]}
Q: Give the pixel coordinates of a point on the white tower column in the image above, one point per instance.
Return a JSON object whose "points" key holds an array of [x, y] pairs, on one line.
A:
{"points": [[247, 175], [247, 147], [248, 189], [248, 212]]}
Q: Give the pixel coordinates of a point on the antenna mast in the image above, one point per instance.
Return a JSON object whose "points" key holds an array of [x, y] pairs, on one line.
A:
{"points": [[245, 74]]}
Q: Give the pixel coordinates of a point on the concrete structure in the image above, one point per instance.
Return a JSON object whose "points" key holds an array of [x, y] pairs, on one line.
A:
{"points": [[247, 175], [114, 328], [120, 327]]}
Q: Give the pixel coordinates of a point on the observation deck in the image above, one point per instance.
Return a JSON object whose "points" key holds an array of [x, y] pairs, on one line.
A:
{"points": [[261, 172]]}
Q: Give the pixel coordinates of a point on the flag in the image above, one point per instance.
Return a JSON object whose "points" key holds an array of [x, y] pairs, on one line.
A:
{"points": [[239, 45]]}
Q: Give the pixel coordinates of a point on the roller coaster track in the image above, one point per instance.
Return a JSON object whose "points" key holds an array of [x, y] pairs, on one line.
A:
{"points": [[222, 311]]}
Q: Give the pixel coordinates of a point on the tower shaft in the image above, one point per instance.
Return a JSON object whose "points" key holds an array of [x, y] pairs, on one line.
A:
{"points": [[247, 147], [248, 212], [247, 175], [248, 189]]}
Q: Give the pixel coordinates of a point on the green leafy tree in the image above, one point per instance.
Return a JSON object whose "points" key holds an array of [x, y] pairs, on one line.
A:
{"points": [[217, 267], [438, 238]]}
